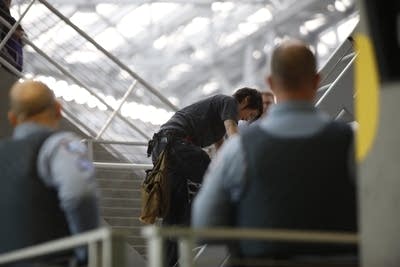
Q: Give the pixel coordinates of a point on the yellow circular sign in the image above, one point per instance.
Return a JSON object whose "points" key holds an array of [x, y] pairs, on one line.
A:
{"points": [[367, 95]]}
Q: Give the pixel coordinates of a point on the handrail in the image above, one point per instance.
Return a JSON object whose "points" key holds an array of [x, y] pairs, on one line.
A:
{"points": [[123, 166], [346, 53], [332, 85], [115, 165], [10, 67], [253, 233], [110, 56], [104, 234], [111, 142], [186, 237]]}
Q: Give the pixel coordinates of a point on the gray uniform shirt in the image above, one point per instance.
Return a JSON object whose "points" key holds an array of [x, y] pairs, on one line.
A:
{"points": [[203, 121], [63, 164], [224, 179]]}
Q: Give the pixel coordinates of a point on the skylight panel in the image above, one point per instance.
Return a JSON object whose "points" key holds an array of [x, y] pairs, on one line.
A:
{"points": [[84, 19], [109, 39], [160, 10], [106, 9], [260, 16], [196, 25]]}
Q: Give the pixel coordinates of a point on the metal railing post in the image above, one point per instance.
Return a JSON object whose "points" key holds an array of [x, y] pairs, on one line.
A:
{"points": [[186, 245], [93, 255], [115, 112], [106, 252], [89, 144], [15, 26], [155, 244], [118, 250]]}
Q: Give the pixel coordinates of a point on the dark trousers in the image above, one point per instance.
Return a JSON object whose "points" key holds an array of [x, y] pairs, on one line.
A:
{"points": [[186, 162]]}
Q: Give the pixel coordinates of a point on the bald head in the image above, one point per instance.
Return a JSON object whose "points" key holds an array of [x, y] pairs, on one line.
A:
{"points": [[33, 101], [293, 64]]}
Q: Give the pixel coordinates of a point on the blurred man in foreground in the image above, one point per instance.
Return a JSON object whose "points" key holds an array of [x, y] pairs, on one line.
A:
{"points": [[48, 189], [292, 170]]}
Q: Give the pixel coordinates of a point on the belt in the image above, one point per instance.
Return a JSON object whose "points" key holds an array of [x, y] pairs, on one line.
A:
{"points": [[166, 136], [172, 133]]}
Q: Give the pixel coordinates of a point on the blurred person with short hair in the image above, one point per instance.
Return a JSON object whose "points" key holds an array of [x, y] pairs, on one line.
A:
{"points": [[48, 188], [292, 170]]}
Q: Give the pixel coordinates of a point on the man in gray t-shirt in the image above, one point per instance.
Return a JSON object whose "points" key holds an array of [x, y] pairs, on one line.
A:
{"points": [[188, 131]]}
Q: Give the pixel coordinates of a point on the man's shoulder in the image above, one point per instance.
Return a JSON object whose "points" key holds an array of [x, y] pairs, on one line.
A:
{"points": [[339, 126], [64, 135], [63, 138], [221, 97]]}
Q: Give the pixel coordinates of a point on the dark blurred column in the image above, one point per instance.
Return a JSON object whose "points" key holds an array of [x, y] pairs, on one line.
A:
{"points": [[379, 169], [6, 81]]}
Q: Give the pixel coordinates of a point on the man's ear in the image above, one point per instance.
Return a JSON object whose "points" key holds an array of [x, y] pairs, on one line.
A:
{"points": [[317, 79], [270, 82], [58, 110], [12, 118]]}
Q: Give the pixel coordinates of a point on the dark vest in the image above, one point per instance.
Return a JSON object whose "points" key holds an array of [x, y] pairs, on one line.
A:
{"points": [[30, 212], [299, 183]]}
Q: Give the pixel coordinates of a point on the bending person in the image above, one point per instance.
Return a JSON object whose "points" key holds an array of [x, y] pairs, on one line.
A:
{"points": [[188, 131]]}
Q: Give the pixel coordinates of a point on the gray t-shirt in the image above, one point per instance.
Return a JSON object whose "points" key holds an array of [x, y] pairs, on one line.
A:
{"points": [[203, 121]]}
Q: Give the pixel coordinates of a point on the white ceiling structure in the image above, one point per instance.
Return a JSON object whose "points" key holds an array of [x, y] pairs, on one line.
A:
{"points": [[185, 49]]}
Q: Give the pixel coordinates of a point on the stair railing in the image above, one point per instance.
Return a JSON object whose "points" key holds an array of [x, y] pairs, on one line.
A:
{"points": [[105, 248], [186, 239]]}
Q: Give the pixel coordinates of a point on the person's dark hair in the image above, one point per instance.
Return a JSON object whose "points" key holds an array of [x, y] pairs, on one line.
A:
{"points": [[294, 64], [254, 98]]}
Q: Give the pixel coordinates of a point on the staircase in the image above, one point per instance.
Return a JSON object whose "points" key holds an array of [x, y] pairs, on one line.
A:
{"points": [[120, 197]]}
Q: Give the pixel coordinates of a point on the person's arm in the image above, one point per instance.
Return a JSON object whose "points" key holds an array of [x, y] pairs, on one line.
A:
{"points": [[218, 144], [230, 127], [214, 204], [63, 164]]}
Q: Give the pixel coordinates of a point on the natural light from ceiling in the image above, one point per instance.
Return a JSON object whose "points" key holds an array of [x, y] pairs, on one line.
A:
{"points": [[134, 110]]}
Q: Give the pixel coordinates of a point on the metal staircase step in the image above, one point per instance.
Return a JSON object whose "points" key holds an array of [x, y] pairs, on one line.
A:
{"points": [[120, 202], [120, 212], [136, 240], [120, 193], [120, 183], [121, 174], [123, 221]]}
